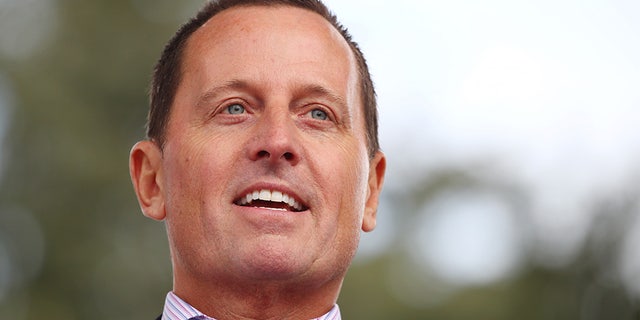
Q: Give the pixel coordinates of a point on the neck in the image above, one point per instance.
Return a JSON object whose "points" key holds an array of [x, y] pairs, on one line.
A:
{"points": [[264, 299]]}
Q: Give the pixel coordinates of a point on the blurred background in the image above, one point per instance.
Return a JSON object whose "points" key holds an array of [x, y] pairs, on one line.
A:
{"points": [[510, 127]]}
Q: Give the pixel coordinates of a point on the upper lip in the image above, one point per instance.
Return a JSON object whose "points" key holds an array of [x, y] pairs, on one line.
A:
{"points": [[300, 203]]}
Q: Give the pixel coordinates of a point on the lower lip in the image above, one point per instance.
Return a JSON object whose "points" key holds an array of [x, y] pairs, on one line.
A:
{"points": [[271, 220], [269, 211]]}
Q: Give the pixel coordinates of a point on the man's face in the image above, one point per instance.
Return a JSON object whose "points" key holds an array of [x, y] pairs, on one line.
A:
{"points": [[265, 173]]}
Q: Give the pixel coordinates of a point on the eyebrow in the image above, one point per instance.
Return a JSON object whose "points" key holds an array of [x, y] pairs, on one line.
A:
{"points": [[219, 90], [313, 90]]}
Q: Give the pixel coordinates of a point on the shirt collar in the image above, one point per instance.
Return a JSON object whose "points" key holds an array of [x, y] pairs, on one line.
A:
{"points": [[177, 309]]}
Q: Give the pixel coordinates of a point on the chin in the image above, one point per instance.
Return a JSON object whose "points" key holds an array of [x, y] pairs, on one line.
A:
{"points": [[274, 262]]}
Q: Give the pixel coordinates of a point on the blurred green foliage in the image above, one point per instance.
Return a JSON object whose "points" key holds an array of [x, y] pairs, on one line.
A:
{"points": [[79, 105]]}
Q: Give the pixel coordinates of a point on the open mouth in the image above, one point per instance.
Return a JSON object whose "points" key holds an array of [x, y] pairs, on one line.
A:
{"points": [[272, 200]]}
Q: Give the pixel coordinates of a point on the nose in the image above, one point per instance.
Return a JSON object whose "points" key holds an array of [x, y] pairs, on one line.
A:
{"points": [[276, 141]]}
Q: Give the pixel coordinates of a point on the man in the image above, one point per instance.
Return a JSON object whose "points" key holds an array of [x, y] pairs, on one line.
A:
{"points": [[262, 158]]}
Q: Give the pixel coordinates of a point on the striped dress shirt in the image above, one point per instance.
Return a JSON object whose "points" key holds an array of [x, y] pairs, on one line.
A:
{"points": [[177, 309]]}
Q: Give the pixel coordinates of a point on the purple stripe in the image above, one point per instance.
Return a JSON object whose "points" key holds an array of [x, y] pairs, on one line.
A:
{"points": [[177, 309]]}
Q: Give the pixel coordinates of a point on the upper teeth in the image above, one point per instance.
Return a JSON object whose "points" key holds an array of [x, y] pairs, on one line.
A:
{"points": [[268, 195]]}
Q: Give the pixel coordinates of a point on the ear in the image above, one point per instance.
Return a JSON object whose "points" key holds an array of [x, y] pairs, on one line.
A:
{"points": [[146, 174], [377, 167]]}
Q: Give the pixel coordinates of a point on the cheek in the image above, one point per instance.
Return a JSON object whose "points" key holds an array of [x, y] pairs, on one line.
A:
{"points": [[188, 176], [197, 161], [347, 181]]}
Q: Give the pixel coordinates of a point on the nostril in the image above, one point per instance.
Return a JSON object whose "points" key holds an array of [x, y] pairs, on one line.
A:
{"points": [[288, 156], [266, 155]]}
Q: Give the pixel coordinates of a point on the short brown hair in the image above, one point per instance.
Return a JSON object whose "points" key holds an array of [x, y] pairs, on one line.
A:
{"points": [[167, 72]]}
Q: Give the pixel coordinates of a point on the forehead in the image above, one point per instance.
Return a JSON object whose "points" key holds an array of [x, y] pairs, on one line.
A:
{"points": [[265, 38], [250, 20]]}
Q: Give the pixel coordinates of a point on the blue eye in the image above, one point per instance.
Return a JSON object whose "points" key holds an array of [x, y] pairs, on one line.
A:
{"points": [[235, 109], [319, 114]]}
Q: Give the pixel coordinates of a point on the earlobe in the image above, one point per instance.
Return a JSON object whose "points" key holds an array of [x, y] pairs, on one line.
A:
{"points": [[146, 176], [377, 168]]}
